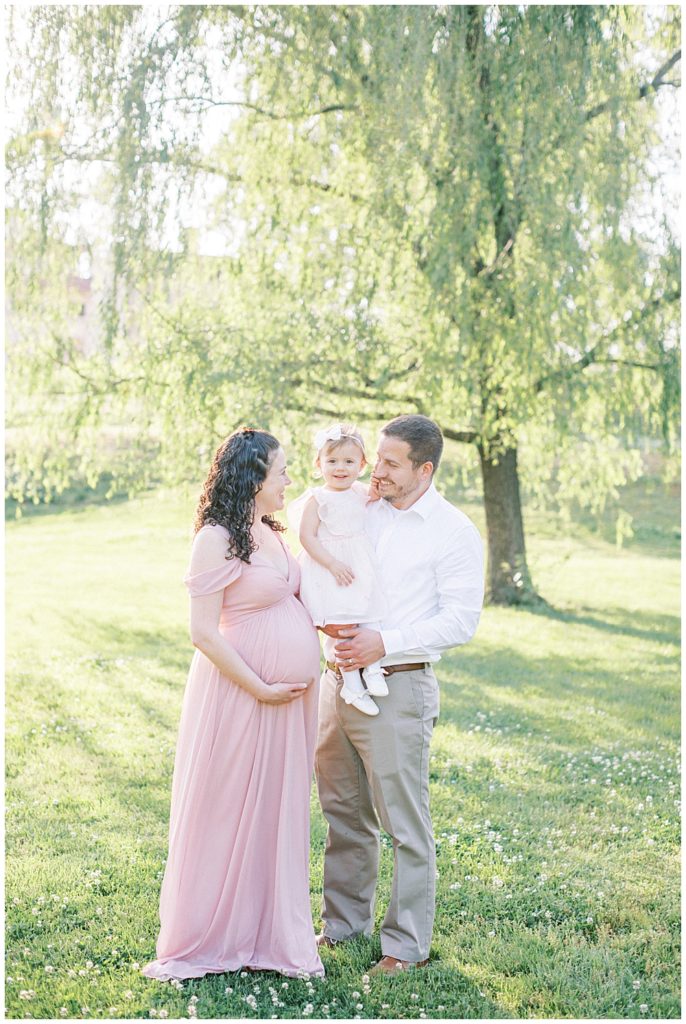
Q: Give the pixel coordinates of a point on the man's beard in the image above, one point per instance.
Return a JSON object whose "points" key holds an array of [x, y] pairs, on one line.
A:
{"points": [[400, 493]]}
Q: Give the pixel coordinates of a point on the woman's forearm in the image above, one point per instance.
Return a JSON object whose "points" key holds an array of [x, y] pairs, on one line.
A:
{"points": [[229, 662]]}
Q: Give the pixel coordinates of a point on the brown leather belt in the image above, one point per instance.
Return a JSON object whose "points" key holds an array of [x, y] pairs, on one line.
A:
{"points": [[412, 666]]}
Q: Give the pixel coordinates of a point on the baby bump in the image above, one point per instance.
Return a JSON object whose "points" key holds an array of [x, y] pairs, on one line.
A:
{"points": [[279, 643]]}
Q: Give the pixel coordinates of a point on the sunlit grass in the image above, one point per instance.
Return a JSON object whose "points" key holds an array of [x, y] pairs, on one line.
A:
{"points": [[555, 786]]}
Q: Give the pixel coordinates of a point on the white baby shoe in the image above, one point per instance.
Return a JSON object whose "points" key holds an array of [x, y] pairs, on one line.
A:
{"points": [[362, 701], [375, 683]]}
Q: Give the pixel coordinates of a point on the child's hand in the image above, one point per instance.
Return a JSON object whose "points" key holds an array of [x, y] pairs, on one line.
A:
{"points": [[373, 492], [343, 575]]}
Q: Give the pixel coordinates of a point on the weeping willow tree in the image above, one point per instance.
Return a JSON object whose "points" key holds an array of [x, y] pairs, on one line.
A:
{"points": [[447, 210]]}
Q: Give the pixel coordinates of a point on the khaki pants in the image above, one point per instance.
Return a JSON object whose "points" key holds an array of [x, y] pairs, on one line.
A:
{"points": [[379, 766]]}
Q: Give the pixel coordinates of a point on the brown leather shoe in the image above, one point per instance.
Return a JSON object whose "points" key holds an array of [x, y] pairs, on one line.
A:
{"points": [[391, 965], [325, 940]]}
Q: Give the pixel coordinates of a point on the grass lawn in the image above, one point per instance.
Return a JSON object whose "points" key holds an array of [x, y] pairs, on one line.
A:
{"points": [[555, 785]]}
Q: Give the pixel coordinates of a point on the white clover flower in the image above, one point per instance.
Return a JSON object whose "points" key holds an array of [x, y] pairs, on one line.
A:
{"points": [[63, 1011], [643, 1007], [163, 1013], [636, 985]]}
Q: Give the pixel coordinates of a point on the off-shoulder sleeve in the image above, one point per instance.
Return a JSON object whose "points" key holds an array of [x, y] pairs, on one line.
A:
{"points": [[216, 578], [212, 580]]}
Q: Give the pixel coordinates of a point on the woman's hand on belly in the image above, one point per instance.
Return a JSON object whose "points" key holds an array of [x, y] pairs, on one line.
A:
{"points": [[283, 693]]}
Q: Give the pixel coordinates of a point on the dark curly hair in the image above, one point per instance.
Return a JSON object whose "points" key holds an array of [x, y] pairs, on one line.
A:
{"points": [[237, 473]]}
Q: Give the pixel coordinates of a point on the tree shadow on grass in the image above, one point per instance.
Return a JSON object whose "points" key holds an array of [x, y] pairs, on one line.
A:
{"points": [[660, 627], [627, 710], [110, 641], [120, 676], [560, 700], [560, 697], [74, 501]]}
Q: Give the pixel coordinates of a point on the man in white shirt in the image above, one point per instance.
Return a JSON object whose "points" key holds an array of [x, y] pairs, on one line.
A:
{"points": [[431, 563]]}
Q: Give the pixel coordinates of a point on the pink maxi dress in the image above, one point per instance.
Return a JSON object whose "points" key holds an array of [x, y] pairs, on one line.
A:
{"points": [[236, 887]]}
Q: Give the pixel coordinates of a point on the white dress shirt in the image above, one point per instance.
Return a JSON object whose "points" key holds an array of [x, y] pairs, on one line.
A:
{"points": [[431, 564]]}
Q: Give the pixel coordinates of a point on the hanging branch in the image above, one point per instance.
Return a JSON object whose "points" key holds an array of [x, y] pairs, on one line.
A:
{"points": [[656, 83], [592, 356]]}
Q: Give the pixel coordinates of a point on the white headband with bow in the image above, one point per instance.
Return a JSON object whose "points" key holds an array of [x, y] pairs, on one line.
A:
{"points": [[335, 433]]}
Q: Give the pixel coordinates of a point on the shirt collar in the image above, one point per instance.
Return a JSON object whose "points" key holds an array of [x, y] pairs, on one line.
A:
{"points": [[425, 505]]}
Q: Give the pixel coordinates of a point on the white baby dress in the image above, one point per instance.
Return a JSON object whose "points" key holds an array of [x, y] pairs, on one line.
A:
{"points": [[342, 532]]}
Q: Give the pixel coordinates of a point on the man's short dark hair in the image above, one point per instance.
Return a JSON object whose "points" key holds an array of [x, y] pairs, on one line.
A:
{"points": [[422, 435]]}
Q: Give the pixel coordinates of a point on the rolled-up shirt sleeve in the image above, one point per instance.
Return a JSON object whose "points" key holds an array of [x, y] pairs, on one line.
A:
{"points": [[459, 577]]}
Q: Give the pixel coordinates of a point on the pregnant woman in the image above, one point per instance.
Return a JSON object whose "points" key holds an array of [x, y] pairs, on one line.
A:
{"points": [[236, 889]]}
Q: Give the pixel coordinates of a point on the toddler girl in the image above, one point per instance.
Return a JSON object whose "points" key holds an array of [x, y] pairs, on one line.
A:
{"points": [[339, 581]]}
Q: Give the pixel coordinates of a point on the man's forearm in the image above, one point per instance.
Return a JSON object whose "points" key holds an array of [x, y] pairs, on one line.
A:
{"points": [[439, 633]]}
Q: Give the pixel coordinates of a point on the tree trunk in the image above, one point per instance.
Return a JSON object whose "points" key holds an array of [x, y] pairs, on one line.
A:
{"points": [[508, 580]]}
